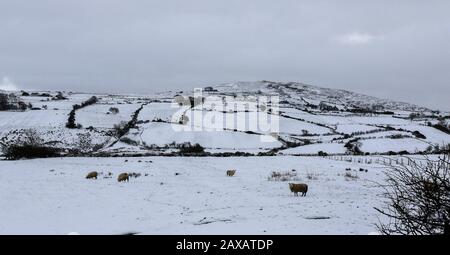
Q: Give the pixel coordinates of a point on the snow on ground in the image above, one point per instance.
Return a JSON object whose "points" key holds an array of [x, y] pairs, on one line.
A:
{"points": [[163, 111], [259, 122], [342, 119], [384, 134], [384, 145], [433, 135], [32, 119], [292, 126], [163, 133], [55, 116], [97, 115], [38, 101], [240, 113], [352, 128], [377, 120], [330, 148], [52, 196]]}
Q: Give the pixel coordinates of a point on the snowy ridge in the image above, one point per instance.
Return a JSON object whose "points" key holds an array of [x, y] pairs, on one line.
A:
{"points": [[292, 90]]}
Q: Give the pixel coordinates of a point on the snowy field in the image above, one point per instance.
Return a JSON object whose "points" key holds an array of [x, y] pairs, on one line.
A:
{"points": [[98, 115], [186, 196], [163, 133]]}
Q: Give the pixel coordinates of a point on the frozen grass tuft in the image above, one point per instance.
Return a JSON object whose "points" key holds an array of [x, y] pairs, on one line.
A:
{"points": [[349, 176], [283, 176]]}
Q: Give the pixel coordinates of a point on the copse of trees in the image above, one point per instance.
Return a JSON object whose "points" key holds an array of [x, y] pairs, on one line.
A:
{"points": [[10, 102], [59, 96], [191, 149]]}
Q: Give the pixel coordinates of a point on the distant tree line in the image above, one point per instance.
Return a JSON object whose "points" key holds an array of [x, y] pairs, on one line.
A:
{"points": [[11, 102]]}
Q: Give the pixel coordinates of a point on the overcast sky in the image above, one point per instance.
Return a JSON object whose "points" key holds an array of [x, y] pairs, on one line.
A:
{"points": [[390, 49]]}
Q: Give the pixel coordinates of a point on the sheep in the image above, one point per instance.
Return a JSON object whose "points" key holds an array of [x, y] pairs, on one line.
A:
{"points": [[298, 187], [231, 172], [123, 177], [92, 175]]}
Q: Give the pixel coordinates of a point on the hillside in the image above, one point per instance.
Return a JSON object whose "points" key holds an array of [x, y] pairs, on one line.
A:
{"points": [[293, 119]]}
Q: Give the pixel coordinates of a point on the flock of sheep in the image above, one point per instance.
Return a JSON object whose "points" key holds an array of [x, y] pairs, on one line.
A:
{"points": [[294, 187], [122, 177]]}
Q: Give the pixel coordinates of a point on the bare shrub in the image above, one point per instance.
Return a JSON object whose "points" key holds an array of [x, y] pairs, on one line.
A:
{"points": [[283, 176], [114, 110], [349, 176], [191, 149], [312, 176], [418, 197], [11, 102]]}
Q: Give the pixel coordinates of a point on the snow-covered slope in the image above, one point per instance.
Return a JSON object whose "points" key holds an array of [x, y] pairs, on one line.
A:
{"points": [[300, 119], [186, 196], [302, 93]]}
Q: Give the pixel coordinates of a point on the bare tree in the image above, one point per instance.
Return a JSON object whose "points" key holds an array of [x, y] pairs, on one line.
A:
{"points": [[418, 197]]}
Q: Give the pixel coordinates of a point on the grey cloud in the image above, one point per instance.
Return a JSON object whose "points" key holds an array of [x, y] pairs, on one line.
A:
{"points": [[146, 46]]}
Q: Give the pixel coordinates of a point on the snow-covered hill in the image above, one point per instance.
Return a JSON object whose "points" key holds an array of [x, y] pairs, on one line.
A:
{"points": [[293, 119]]}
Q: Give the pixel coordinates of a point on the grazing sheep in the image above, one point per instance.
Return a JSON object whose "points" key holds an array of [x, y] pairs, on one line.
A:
{"points": [[123, 177], [231, 172], [298, 187], [92, 175]]}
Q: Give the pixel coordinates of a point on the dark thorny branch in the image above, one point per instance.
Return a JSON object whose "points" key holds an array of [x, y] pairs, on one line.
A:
{"points": [[418, 197]]}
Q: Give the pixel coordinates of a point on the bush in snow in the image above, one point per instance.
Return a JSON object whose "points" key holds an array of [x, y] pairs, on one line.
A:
{"points": [[349, 176], [114, 110], [59, 96], [28, 145], [191, 149], [15, 152], [322, 154], [418, 198], [442, 126], [283, 176], [417, 134], [11, 102], [71, 120], [312, 176], [353, 147]]}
